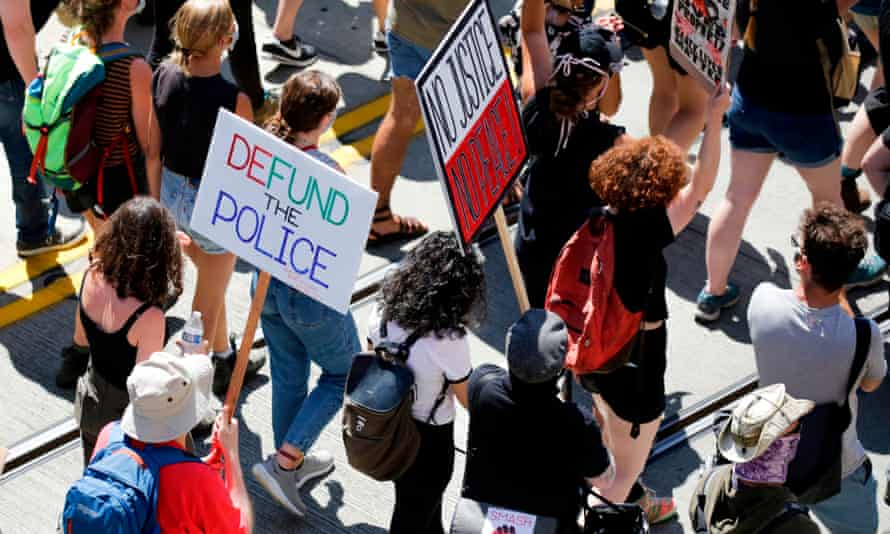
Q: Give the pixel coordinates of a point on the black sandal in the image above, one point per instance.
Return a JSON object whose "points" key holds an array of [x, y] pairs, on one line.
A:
{"points": [[404, 233]]}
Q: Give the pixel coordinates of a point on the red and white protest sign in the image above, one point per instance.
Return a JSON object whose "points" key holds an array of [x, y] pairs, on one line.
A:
{"points": [[701, 38], [472, 120]]}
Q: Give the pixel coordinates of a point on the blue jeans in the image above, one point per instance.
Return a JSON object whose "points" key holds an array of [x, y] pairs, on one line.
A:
{"points": [[33, 210], [299, 331], [808, 141], [855, 509], [178, 194]]}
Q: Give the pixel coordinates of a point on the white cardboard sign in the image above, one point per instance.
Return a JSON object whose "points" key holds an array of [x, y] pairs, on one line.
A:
{"points": [[502, 521], [283, 211]]}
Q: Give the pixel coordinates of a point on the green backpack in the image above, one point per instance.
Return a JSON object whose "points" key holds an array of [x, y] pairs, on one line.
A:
{"points": [[60, 110]]}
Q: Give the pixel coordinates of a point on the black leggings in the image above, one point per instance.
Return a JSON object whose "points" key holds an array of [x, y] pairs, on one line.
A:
{"points": [[243, 59], [419, 491]]}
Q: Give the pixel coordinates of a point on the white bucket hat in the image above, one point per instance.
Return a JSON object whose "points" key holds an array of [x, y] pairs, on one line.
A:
{"points": [[169, 395], [758, 420]]}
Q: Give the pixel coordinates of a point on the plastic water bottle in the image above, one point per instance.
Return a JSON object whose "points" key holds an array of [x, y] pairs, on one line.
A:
{"points": [[193, 334]]}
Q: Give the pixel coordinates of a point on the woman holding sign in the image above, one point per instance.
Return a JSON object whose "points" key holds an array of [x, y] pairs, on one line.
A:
{"points": [[188, 93], [565, 134]]}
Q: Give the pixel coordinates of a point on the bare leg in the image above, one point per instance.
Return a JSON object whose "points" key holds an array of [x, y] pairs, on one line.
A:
{"points": [[823, 183], [689, 119], [664, 102], [285, 18], [872, 35], [380, 8], [95, 222], [391, 146], [749, 170], [859, 137], [214, 272], [220, 341], [630, 454]]}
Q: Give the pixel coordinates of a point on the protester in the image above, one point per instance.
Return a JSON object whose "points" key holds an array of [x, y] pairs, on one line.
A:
{"points": [[780, 107], [749, 495], [515, 415], [35, 207], [285, 47], [298, 329], [168, 396], [416, 27], [644, 184], [188, 92], [806, 328], [678, 103], [119, 319], [378, 41], [436, 292], [122, 116], [563, 138], [242, 57]]}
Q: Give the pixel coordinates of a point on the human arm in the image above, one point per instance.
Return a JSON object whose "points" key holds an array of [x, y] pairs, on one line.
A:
{"points": [[80, 336], [876, 163], [537, 61], [460, 392], [149, 332], [21, 37], [611, 101], [243, 108], [144, 122], [875, 364], [685, 205], [226, 432]]}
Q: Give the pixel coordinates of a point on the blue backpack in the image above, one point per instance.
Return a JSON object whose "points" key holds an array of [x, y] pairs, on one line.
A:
{"points": [[119, 489]]}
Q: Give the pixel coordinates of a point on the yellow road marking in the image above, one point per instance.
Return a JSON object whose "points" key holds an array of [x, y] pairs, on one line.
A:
{"points": [[33, 267], [54, 293], [356, 118], [349, 154]]}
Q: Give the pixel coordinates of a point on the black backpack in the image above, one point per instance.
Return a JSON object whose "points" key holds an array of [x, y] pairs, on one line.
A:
{"points": [[815, 472], [379, 433]]}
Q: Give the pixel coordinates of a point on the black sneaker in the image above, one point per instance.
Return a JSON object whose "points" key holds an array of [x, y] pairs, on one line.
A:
{"points": [[62, 237], [224, 367], [293, 52], [379, 44], [74, 364]]}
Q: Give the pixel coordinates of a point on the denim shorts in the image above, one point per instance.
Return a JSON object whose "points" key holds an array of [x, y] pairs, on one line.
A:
{"points": [[178, 194], [406, 58], [799, 140]]}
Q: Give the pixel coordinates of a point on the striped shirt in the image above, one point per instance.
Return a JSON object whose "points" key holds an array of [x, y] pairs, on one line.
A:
{"points": [[113, 115]]}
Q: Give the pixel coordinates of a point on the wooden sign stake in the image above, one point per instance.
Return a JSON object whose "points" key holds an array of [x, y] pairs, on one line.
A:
{"points": [[512, 262], [253, 318]]}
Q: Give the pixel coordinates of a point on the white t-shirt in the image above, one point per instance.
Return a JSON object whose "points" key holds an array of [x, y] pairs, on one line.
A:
{"points": [[433, 360], [811, 351]]}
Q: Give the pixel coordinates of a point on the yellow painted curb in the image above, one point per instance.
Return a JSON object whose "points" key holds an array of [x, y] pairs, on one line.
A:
{"points": [[356, 118], [54, 293], [349, 154], [33, 267]]}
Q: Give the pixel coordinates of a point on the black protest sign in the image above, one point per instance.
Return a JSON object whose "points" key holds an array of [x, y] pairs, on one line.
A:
{"points": [[701, 37], [472, 119]]}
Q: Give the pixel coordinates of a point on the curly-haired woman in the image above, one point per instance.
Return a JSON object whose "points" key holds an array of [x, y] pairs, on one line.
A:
{"points": [[135, 268], [436, 291], [651, 196]]}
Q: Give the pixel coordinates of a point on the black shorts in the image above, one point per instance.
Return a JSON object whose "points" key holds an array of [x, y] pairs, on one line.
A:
{"points": [[116, 190], [632, 397], [877, 107]]}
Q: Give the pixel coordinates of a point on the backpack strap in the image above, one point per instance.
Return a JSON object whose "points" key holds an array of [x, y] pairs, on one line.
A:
{"points": [[788, 512], [135, 317], [863, 344], [113, 51], [155, 458]]}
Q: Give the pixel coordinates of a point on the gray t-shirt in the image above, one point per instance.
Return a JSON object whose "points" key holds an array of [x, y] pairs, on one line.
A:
{"points": [[811, 351]]}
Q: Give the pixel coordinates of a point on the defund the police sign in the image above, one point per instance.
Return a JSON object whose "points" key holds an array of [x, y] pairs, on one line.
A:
{"points": [[283, 211], [472, 121]]}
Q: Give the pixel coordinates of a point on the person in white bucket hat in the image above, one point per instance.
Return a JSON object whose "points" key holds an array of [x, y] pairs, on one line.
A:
{"points": [[749, 496], [168, 396]]}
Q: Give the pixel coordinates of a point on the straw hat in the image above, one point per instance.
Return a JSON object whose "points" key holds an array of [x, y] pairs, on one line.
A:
{"points": [[758, 420]]}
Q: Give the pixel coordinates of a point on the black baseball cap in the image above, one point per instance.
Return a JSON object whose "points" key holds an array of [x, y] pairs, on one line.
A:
{"points": [[536, 346]]}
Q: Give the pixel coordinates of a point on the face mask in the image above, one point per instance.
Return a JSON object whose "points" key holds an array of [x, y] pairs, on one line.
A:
{"points": [[234, 35], [771, 467], [139, 7]]}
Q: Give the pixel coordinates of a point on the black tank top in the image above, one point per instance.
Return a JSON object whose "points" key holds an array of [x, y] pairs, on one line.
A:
{"points": [[186, 107], [111, 354]]}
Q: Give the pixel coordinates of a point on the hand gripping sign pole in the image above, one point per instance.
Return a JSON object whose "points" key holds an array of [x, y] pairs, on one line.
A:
{"points": [[473, 127], [291, 216]]}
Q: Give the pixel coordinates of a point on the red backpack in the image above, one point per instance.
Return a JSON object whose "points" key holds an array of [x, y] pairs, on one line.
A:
{"points": [[582, 292]]}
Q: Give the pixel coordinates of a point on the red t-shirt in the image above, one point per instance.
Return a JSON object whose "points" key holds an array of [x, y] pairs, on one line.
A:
{"points": [[192, 497]]}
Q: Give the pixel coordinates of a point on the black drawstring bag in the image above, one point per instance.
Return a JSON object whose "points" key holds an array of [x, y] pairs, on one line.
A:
{"points": [[611, 518]]}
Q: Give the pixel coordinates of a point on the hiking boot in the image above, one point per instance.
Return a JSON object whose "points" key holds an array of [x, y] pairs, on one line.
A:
{"points": [[62, 237], [709, 305], [856, 200], [293, 52], [657, 509], [75, 360], [869, 272], [378, 42], [224, 367], [284, 486]]}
